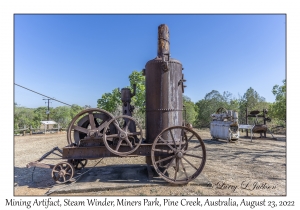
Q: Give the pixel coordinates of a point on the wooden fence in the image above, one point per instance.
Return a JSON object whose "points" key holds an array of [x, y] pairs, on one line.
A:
{"points": [[32, 131]]}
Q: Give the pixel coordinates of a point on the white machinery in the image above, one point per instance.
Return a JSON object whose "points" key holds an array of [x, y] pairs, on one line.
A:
{"points": [[224, 125]]}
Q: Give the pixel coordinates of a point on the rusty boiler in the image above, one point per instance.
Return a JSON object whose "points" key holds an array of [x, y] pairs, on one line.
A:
{"points": [[164, 88]]}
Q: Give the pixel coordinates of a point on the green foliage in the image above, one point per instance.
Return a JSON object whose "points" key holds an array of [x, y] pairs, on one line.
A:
{"points": [[209, 105], [62, 115], [214, 100], [253, 101], [137, 78], [40, 115], [24, 117], [233, 105], [278, 108], [28, 117], [190, 112], [109, 101], [138, 101], [75, 109]]}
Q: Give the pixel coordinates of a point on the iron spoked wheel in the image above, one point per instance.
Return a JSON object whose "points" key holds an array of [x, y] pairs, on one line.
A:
{"points": [[89, 123], [62, 172], [78, 163], [127, 138], [181, 153]]}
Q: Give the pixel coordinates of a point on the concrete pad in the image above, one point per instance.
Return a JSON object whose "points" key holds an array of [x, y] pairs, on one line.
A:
{"points": [[117, 177]]}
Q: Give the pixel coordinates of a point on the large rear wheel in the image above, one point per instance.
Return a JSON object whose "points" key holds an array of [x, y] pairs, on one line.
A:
{"points": [[181, 153], [89, 123]]}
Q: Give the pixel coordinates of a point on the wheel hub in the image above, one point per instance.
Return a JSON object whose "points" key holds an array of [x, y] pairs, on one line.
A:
{"points": [[179, 154], [123, 135], [62, 173], [92, 133]]}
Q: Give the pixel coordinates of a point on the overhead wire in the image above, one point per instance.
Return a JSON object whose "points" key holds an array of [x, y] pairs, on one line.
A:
{"points": [[43, 95]]}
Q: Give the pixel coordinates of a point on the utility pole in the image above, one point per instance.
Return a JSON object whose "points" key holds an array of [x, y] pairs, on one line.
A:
{"points": [[48, 111]]}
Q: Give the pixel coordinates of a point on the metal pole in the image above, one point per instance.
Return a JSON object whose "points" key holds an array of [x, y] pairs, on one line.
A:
{"points": [[48, 111]]}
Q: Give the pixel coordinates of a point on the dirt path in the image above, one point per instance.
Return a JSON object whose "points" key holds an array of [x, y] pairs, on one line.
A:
{"points": [[241, 168]]}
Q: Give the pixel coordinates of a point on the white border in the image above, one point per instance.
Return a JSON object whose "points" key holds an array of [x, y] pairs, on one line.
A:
{"points": [[9, 8]]}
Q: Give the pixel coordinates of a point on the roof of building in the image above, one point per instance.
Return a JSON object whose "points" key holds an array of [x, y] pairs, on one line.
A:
{"points": [[50, 122]]}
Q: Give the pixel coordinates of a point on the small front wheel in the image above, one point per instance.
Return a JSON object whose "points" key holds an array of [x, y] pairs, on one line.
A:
{"points": [[62, 172]]}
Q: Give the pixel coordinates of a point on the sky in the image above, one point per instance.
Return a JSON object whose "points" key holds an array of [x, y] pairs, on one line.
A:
{"points": [[75, 58]]}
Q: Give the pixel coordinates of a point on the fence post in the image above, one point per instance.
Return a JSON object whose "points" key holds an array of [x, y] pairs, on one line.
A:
{"points": [[24, 130]]}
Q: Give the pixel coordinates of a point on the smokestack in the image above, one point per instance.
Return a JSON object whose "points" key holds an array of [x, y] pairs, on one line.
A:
{"points": [[163, 48]]}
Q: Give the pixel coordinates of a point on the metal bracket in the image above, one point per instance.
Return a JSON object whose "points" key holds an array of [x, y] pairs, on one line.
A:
{"points": [[165, 64]]}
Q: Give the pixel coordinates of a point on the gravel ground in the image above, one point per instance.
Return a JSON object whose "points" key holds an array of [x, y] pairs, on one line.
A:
{"points": [[241, 168]]}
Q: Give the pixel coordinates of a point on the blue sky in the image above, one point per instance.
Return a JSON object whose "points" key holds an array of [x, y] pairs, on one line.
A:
{"points": [[77, 58]]}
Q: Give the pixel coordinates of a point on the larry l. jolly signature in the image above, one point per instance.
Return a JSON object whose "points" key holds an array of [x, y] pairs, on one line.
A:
{"points": [[245, 185]]}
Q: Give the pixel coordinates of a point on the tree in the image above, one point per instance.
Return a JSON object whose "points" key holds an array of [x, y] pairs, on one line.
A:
{"points": [[278, 108], [28, 117], [40, 115], [75, 109], [112, 103], [62, 115], [138, 79], [253, 101], [138, 101], [209, 105], [24, 117], [109, 101], [190, 112]]}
